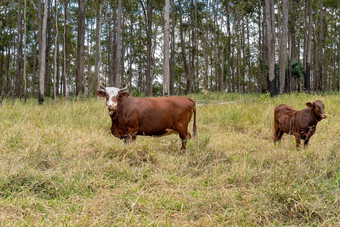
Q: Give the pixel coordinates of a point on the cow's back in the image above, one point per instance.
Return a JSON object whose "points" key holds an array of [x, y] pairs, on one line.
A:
{"points": [[155, 115], [285, 117]]}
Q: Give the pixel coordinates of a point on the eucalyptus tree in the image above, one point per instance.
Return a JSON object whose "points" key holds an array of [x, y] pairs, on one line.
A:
{"points": [[42, 52], [80, 78], [166, 69]]}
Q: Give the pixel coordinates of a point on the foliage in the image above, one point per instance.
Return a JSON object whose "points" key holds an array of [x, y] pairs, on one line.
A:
{"points": [[297, 70]]}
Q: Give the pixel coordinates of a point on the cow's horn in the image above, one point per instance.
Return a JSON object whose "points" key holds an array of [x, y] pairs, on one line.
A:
{"points": [[101, 86], [126, 87]]}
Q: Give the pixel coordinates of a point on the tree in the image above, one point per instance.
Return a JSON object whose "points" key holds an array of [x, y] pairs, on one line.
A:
{"points": [[185, 63], [270, 40], [118, 72], [166, 70], [19, 59], [42, 53], [25, 52], [283, 46], [98, 43], [148, 79], [308, 47], [64, 50], [80, 85], [56, 46]]}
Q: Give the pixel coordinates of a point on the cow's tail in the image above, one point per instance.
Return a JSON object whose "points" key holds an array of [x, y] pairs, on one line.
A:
{"points": [[194, 125]]}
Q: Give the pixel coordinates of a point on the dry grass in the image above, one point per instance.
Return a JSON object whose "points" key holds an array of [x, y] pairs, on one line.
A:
{"points": [[59, 165]]}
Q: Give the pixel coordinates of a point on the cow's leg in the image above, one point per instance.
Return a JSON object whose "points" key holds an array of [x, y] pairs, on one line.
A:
{"points": [[298, 140], [308, 137], [184, 135], [277, 133]]}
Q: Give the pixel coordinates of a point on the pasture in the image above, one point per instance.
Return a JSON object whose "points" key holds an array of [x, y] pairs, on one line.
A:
{"points": [[60, 165]]}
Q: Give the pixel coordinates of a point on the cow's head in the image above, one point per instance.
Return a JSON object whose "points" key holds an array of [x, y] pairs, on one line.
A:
{"points": [[111, 96], [319, 109]]}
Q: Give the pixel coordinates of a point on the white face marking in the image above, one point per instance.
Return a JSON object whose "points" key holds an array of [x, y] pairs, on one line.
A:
{"points": [[112, 92]]}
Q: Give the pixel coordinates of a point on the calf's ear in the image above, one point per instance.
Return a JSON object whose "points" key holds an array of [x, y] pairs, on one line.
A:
{"points": [[101, 93], [309, 104]]}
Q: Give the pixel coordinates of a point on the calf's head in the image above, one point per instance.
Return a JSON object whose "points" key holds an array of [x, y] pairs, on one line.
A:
{"points": [[111, 96], [319, 109]]}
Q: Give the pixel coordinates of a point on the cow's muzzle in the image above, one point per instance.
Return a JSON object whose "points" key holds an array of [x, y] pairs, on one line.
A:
{"points": [[323, 116]]}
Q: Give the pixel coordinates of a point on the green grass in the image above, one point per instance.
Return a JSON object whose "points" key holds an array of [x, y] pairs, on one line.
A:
{"points": [[60, 165]]}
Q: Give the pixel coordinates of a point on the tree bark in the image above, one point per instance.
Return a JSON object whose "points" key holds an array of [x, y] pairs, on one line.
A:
{"points": [[42, 55], [7, 70], [19, 51], [308, 54], [186, 67], [283, 46], [270, 38], [173, 60], [319, 75], [112, 77], [166, 69], [193, 47], [64, 50], [1, 76], [149, 49], [25, 52], [339, 64], [206, 52], [80, 86], [118, 72], [98, 42], [56, 44]]}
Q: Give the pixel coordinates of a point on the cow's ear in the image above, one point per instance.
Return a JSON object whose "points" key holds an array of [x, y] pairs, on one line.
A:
{"points": [[101, 93], [309, 104], [122, 94]]}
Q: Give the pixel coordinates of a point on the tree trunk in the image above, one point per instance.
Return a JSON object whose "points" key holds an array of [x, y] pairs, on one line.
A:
{"points": [[186, 67], [149, 45], [98, 42], [173, 60], [270, 38], [19, 51], [34, 67], [7, 70], [1, 70], [112, 77], [229, 47], [64, 50], [283, 46], [25, 52], [56, 44], [339, 64], [319, 73], [89, 44], [80, 86], [118, 72], [193, 48], [166, 70], [309, 47], [42, 55], [206, 52]]}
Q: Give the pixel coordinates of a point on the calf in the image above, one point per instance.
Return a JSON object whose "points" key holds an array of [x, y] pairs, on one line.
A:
{"points": [[148, 116], [301, 124]]}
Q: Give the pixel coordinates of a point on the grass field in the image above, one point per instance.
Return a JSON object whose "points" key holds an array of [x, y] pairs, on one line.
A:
{"points": [[60, 165]]}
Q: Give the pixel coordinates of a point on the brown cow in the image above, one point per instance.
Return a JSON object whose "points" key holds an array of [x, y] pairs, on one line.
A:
{"points": [[148, 116], [301, 124]]}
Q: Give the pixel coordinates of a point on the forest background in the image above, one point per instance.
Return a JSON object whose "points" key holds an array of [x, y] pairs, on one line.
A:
{"points": [[66, 48]]}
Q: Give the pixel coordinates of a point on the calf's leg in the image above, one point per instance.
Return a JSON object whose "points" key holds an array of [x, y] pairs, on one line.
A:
{"points": [[298, 141], [277, 134], [308, 137]]}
